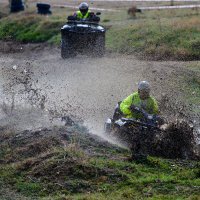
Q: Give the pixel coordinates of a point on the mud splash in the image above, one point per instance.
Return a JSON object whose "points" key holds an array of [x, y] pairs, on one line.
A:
{"points": [[68, 88], [24, 104], [86, 89], [177, 140]]}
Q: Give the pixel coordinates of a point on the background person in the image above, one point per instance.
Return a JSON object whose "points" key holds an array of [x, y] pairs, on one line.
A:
{"points": [[85, 13]]}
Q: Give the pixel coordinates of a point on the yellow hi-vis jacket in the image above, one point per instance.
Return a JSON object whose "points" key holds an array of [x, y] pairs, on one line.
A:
{"points": [[79, 15], [149, 105]]}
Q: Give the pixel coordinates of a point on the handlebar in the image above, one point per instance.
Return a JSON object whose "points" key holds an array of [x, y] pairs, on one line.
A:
{"points": [[132, 120], [141, 111]]}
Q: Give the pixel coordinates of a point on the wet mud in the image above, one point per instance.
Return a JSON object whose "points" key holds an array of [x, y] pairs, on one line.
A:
{"points": [[176, 141], [38, 88]]}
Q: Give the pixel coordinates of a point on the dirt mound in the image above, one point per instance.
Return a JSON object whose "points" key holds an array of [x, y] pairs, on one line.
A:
{"points": [[28, 144], [80, 176], [59, 158]]}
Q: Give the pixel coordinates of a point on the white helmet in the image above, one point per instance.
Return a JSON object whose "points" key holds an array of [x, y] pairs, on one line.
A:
{"points": [[83, 6], [144, 85]]}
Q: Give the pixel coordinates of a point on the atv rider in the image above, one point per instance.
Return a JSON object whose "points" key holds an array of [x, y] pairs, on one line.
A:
{"points": [[141, 99], [128, 109], [85, 14]]}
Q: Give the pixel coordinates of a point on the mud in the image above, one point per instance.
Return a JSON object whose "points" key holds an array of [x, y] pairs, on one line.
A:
{"points": [[36, 80], [69, 87], [180, 137], [176, 141]]}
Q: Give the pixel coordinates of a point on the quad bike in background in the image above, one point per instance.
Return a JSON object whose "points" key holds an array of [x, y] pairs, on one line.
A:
{"points": [[83, 36], [151, 135]]}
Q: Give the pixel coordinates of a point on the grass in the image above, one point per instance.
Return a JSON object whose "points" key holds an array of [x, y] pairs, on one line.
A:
{"points": [[161, 41], [29, 29], [194, 66], [156, 179], [192, 85], [156, 35], [70, 173]]}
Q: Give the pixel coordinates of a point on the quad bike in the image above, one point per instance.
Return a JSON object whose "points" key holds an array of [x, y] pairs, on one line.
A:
{"points": [[84, 36], [146, 122], [147, 135]]}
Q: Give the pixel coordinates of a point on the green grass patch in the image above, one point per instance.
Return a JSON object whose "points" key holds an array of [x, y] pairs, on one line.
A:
{"points": [[11, 177], [78, 177], [159, 41], [193, 95], [29, 28], [70, 173], [195, 66], [191, 85], [172, 35]]}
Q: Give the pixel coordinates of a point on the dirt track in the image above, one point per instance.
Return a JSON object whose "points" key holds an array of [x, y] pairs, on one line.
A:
{"points": [[87, 88]]}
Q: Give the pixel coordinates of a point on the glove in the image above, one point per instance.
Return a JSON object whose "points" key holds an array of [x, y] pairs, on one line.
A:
{"points": [[134, 108], [160, 120]]}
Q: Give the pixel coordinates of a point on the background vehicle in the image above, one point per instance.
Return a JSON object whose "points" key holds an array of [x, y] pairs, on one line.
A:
{"points": [[82, 37]]}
